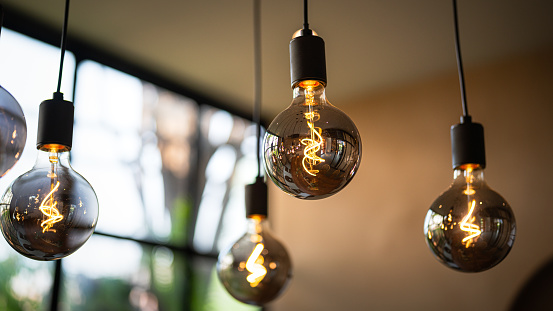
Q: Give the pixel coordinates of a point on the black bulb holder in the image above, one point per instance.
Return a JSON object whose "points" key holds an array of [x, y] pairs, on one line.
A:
{"points": [[307, 58], [256, 198], [467, 143], [55, 122]]}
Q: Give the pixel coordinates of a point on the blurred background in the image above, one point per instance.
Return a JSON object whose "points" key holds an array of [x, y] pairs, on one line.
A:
{"points": [[163, 92]]}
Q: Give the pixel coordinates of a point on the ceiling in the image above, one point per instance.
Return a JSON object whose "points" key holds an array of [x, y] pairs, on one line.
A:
{"points": [[370, 45]]}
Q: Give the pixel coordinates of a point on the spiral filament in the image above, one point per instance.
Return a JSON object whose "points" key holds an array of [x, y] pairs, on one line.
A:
{"points": [[48, 208], [254, 265], [312, 144], [467, 226]]}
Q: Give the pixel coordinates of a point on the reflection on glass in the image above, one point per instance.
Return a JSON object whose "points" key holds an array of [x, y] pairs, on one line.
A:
{"points": [[147, 134], [137, 278]]}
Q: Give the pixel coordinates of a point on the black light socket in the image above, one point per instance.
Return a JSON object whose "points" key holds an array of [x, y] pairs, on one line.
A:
{"points": [[55, 122], [307, 58], [467, 143], [256, 198]]}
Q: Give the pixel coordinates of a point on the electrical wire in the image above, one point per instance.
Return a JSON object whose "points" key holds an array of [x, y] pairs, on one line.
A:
{"points": [[305, 23], [63, 43], [459, 62], [257, 79]]}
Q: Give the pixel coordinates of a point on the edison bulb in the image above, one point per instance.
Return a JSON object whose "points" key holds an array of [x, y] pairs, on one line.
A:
{"points": [[50, 211], [470, 227], [256, 269], [312, 150], [13, 131]]}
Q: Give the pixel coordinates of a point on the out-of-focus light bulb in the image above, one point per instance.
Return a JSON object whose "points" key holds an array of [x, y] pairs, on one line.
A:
{"points": [[469, 227], [256, 269], [50, 211], [13, 131], [312, 149]]}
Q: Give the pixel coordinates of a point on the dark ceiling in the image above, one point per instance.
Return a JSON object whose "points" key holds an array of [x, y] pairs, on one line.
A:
{"points": [[370, 45]]}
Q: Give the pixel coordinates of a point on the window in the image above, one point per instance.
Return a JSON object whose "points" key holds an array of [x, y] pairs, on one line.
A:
{"points": [[169, 171]]}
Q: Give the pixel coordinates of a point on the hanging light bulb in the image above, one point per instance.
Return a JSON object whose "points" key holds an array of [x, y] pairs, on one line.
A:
{"points": [[13, 131], [256, 269], [13, 128], [312, 149], [51, 210], [469, 227]]}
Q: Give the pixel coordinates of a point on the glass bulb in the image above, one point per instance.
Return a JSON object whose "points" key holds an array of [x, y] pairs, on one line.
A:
{"points": [[50, 211], [470, 227], [256, 269], [312, 149], [13, 131]]}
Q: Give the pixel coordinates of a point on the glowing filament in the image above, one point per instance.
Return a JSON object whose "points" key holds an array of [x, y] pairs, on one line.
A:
{"points": [[467, 226], [254, 265], [49, 210], [312, 145]]}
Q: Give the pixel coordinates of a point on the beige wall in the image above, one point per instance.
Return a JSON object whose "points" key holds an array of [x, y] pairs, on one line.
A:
{"points": [[363, 249]]}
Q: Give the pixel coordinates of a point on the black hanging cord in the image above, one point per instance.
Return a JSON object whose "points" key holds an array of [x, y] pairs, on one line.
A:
{"points": [[257, 79], [63, 42], [460, 63], [305, 23]]}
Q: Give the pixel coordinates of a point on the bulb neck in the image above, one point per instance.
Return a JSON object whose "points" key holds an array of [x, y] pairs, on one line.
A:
{"points": [[469, 174], [256, 224], [46, 157], [307, 57], [309, 92]]}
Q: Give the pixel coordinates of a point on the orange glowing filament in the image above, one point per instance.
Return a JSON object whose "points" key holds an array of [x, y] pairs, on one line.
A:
{"points": [[48, 208], [467, 226], [312, 144], [254, 265]]}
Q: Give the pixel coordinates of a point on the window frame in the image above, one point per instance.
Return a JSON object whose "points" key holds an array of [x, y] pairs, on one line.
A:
{"points": [[82, 51]]}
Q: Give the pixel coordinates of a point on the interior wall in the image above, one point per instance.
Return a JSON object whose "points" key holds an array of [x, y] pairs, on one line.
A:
{"points": [[364, 248]]}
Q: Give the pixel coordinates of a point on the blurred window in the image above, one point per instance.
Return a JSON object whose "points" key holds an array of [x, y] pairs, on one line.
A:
{"points": [[169, 172]]}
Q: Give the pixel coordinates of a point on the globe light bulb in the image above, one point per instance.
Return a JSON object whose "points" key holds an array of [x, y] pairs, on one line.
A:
{"points": [[469, 227], [50, 211], [13, 131], [312, 149], [256, 269]]}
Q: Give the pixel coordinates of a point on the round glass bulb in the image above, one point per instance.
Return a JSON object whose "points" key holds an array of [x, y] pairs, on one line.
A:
{"points": [[470, 227], [256, 269], [312, 150], [50, 211], [13, 131]]}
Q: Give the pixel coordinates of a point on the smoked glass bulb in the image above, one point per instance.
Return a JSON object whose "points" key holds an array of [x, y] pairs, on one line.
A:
{"points": [[50, 211], [13, 131], [312, 150], [256, 269], [470, 227]]}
